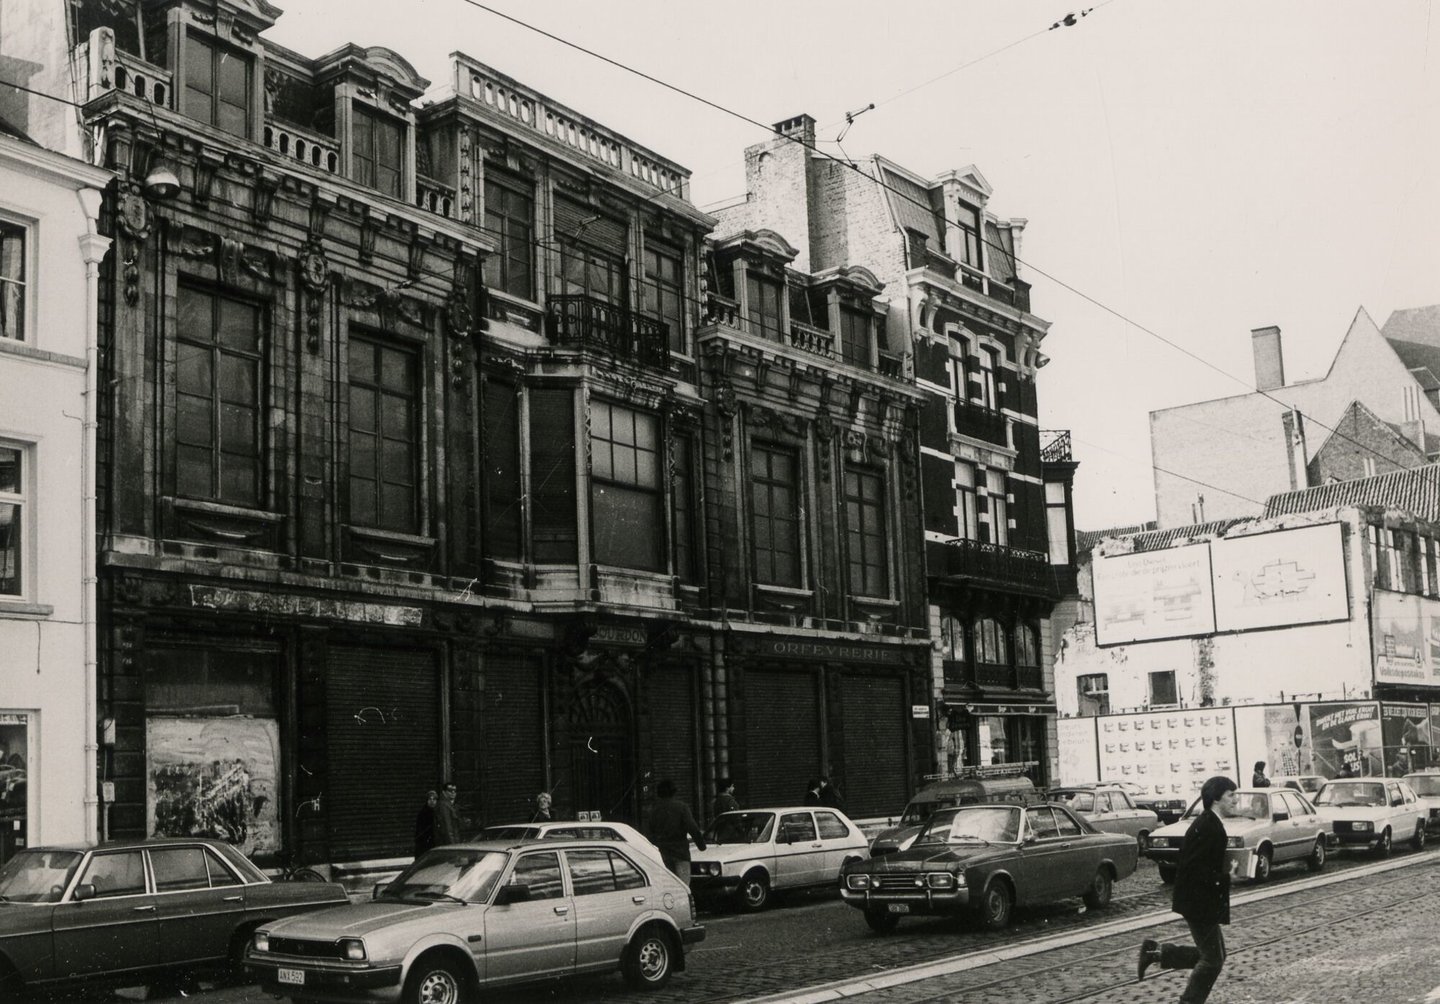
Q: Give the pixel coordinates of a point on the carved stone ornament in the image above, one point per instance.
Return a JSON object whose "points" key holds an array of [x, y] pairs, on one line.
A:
{"points": [[132, 213], [457, 311], [314, 269], [825, 427]]}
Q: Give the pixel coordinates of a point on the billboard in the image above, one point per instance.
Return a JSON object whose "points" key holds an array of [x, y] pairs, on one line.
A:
{"points": [[1346, 740], [1077, 752], [1153, 594], [1171, 753], [1284, 577], [1406, 638]]}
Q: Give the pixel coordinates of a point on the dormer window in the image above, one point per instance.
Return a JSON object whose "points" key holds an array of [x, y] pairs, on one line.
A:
{"points": [[968, 219], [217, 85], [377, 153], [762, 306], [855, 328]]}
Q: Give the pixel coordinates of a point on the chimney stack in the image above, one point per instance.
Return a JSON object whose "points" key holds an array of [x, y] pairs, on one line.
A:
{"points": [[801, 127], [1269, 365]]}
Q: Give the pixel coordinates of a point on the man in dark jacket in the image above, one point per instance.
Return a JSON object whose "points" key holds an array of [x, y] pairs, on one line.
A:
{"points": [[447, 817], [1258, 778], [830, 796], [725, 800], [425, 824], [1202, 896], [671, 827]]}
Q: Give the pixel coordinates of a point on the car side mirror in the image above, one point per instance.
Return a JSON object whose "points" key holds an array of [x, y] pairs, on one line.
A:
{"points": [[379, 889], [516, 892], [1279, 817], [83, 892], [1029, 838]]}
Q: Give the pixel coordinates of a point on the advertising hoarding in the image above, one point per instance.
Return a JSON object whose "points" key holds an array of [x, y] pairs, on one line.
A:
{"points": [[1280, 578], [1346, 739], [1170, 753], [1076, 750], [1406, 632], [214, 777], [1153, 594]]}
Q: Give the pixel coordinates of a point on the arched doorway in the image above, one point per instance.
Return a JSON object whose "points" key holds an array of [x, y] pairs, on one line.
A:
{"points": [[602, 759]]}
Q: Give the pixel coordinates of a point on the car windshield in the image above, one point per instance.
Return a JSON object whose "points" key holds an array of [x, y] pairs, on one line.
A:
{"points": [[917, 812], [741, 828], [449, 873], [980, 824], [37, 876], [1340, 793], [1425, 784]]}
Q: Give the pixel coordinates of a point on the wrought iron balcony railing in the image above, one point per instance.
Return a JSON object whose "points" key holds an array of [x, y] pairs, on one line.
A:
{"points": [[1054, 446], [1001, 566], [980, 422], [586, 321]]}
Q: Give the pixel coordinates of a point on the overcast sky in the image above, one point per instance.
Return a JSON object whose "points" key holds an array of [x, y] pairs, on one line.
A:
{"points": [[1200, 169]]}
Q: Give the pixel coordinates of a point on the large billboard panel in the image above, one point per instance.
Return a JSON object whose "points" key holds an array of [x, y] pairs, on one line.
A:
{"points": [[1153, 594], [1284, 577], [1407, 639], [1346, 739], [1170, 753], [1077, 751]]}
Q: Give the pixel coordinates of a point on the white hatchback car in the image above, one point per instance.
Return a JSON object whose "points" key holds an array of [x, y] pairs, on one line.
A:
{"points": [[1426, 784], [1372, 812], [753, 852]]}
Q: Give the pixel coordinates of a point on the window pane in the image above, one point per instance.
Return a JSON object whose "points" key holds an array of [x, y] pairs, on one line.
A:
{"points": [[237, 429], [10, 533], [239, 326], [238, 482], [590, 872], [194, 315], [121, 874], [541, 872], [237, 378], [362, 454], [193, 471], [179, 868], [234, 119], [628, 527], [192, 369], [395, 370], [9, 470], [12, 311], [362, 501], [397, 504], [199, 71], [395, 417]]}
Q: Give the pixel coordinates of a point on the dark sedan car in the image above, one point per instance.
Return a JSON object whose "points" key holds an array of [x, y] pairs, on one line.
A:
{"points": [[128, 911], [986, 859]]}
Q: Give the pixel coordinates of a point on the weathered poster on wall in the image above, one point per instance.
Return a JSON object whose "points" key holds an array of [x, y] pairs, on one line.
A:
{"points": [[1346, 738], [1275, 579], [1153, 594], [1077, 750], [1288, 747], [1407, 638], [1170, 753], [214, 777], [1405, 729]]}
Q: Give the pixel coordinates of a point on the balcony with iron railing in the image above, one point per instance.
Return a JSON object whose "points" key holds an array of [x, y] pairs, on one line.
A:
{"points": [[979, 422], [992, 677], [1055, 446], [1010, 569], [584, 321]]}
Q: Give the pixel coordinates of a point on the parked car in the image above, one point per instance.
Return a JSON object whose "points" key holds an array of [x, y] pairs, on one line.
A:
{"points": [[1426, 785], [947, 794], [560, 829], [985, 859], [1108, 809], [1306, 784], [1168, 807], [1271, 826], [754, 853], [486, 914], [132, 911], [1372, 812]]}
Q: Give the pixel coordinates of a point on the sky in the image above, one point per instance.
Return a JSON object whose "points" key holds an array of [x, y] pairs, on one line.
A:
{"points": [[1189, 171]]}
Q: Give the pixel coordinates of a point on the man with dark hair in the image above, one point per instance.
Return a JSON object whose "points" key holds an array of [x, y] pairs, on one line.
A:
{"points": [[1202, 896], [830, 796], [725, 800], [447, 817], [671, 827], [1258, 778]]}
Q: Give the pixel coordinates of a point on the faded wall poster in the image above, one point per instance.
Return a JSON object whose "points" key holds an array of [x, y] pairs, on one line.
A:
{"points": [[1288, 749], [214, 777], [1406, 731], [1347, 740]]}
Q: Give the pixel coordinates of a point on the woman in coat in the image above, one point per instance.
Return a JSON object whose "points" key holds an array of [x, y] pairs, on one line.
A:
{"points": [[1202, 896]]}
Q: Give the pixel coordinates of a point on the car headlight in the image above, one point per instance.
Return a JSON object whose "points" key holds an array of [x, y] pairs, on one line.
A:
{"points": [[352, 949], [859, 883], [1159, 841], [261, 941], [942, 880], [1235, 842], [1362, 826]]}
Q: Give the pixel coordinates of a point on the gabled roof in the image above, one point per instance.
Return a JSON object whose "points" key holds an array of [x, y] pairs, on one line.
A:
{"points": [[1419, 325], [1356, 412], [1416, 491]]}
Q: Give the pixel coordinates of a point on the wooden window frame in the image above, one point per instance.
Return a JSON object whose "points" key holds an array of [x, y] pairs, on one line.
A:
{"points": [[413, 396], [774, 566]]}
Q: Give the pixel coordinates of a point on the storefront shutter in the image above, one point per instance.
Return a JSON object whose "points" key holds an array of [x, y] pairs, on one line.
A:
{"points": [[383, 727], [672, 725], [513, 767], [578, 222], [782, 736], [873, 713]]}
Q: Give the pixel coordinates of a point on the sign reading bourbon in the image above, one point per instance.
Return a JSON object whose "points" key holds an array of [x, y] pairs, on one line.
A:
{"points": [[826, 651]]}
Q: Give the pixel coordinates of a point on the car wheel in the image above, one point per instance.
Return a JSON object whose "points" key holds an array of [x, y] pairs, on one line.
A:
{"points": [[1418, 841], [433, 980], [996, 904], [1384, 844], [1167, 873], [1264, 858], [649, 959], [1097, 897], [754, 891], [1143, 839], [881, 921], [1316, 860]]}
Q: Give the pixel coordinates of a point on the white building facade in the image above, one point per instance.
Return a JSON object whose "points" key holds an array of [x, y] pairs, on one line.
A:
{"points": [[49, 256]]}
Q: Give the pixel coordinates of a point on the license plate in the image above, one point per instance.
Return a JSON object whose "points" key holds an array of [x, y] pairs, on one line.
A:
{"points": [[898, 907], [292, 976]]}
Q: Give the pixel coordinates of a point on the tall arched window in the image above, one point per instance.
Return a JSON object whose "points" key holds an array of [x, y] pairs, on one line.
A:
{"points": [[990, 642], [952, 639], [1027, 646]]}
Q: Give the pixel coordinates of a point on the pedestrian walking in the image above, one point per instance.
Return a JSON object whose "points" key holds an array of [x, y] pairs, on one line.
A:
{"points": [[812, 792], [447, 817], [725, 800], [1258, 778], [1202, 896], [543, 803], [425, 824], [671, 827], [830, 796]]}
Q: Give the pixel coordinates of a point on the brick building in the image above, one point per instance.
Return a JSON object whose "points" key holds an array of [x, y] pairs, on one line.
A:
{"points": [[957, 317]]}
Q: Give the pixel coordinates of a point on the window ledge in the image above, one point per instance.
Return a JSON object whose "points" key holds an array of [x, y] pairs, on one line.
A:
{"points": [[780, 593], [390, 536], [222, 509], [21, 610]]}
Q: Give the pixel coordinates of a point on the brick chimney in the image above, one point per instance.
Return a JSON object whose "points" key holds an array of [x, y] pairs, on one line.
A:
{"points": [[1269, 365], [801, 127]]}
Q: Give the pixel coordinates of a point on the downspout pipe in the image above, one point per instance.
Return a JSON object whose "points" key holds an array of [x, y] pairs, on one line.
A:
{"points": [[93, 247]]}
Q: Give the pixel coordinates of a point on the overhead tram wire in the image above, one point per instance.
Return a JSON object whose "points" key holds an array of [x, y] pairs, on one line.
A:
{"points": [[741, 116]]}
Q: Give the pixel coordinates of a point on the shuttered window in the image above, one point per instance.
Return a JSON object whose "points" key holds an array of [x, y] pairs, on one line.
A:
{"points": [[552, 475], [782, 735], [501, 443]]}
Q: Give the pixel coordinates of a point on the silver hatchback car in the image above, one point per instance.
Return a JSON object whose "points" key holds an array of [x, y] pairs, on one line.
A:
{"points": [[487, 914]]}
